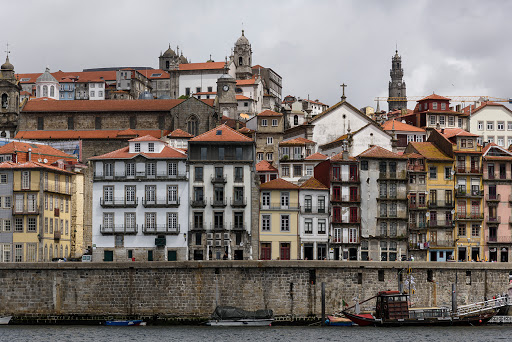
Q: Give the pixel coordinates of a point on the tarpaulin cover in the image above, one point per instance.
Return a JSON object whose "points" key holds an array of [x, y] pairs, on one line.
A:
{"points": [[232, 313]]}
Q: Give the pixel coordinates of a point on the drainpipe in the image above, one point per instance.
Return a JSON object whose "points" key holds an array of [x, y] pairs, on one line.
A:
{"points": [[29, 154]]}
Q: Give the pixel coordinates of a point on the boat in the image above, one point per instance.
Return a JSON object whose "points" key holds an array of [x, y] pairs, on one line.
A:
{"points": [[5, 320], [392, 309], [125, 323], [232, 316], [338, 321]]}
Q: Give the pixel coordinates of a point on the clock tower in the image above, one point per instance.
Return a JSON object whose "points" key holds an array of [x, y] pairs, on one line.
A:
{"points": [[397, 85], [225, 102]]}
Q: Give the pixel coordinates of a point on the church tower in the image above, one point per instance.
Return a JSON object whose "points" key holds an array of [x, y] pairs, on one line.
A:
{"points": [[170, 61], [243, 58], [396, 85], [225, 102], [9, 99]]}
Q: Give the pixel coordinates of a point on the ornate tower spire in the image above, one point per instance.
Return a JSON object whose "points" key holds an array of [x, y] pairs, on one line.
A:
{"points": [[397, 89]]}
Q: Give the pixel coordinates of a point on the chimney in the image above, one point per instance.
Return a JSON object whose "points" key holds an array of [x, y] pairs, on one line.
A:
{"points": [[442, 130], [29, 154]]}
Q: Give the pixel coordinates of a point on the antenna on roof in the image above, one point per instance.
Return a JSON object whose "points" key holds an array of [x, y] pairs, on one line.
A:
{"points": [[7, 51]]}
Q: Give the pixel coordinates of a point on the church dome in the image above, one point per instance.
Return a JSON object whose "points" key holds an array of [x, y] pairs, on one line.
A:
{"points": [[183, 60], [169, 52], [7, 65], [242, 40], [46, 77]]}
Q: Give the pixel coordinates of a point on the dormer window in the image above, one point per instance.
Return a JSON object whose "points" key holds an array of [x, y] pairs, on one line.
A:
{"points": [[443, 106], [151, 147], [137, 147], [434, 105]]}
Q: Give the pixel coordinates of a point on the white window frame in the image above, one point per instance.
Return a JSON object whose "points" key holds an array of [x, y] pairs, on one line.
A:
{"points": [[480, 125]]}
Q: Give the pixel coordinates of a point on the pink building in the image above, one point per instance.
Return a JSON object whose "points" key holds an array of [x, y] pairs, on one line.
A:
{"points": [[497, 177]]}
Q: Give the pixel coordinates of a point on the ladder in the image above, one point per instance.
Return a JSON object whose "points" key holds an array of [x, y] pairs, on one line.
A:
{"points": [[484, 306]]}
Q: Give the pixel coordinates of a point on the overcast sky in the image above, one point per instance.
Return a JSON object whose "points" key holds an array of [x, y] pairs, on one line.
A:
{"points": [[451, 47]]}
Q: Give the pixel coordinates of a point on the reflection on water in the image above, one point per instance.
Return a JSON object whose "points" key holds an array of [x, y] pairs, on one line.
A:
{"points": [[227, 334]]}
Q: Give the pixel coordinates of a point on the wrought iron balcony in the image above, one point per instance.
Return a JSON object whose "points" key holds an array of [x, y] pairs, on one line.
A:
{"points": [[196, 226], [160, 229], [218, 226], [197, 202], [493, 220], [441, 204], [499, 239], [218, 203], [119, 229], [160, 202], [25, 210], [238, 226], [118, 202], [239, 203], [493, 198], [219, 179], [440, 223], [469, 216]]}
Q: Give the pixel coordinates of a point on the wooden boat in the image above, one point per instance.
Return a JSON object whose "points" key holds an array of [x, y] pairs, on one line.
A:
{"points": [[125, 323], [392, 309], [231, 316], [5, 320], [338, 321]]}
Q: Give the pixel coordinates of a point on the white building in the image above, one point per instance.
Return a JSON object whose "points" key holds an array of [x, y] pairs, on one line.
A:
{"points": [[221, 164], [47, 86], [492, 122], [140, 203], [97, 90], [314, 220], [201, 77]]}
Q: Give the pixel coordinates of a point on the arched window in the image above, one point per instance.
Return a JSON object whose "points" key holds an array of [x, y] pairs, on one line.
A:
{"points": [[61, 252], [192, 125], [56, 251], [45, 256], [296, 120], [45, 91], [66, 255], [240, 61], [52, 91], [167, 64], [4, 100], [51, 253]]}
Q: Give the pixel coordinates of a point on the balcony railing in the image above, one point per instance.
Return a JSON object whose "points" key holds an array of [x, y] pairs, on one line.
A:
{"points": [[469, 193], [197, 202], [468, 170], [396, 215], [493, 198], [140, 175], [469, 216], [417, 225], [339, 178], [499, 239], [399, 196], [196, 225], [160, 229], [345, 219], [393, 175], [493, 220], [160, 202], [219, 179], [118, 202], [418, 206], [353, 240], [119, 229], [440, 223], [216, 203], [218, 226], [25, 210], [238, 226], [239, 203], [491, 176], [441, 204], [313, 210], [277, 206], [441, 243], [416, 168]]}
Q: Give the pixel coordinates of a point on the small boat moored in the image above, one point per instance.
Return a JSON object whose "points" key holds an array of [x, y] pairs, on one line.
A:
{"points": [[231, 316], [125, 323], [338, 321], [5, 320]]}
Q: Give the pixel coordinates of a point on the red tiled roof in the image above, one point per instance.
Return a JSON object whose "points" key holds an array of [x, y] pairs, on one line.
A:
{"points": [[339, 158], [179, 133], [226, 134], [269, 112], [86, 134], [296, 141], [100, 106], [379, 152], [166, 153], [278, 184], [245, 130], [32, 165], [206, 93], [317, 156], [146, 138], [38, 151], [474, 108], [434, 97], [242, 97], [202, 66], [429, 151], [246, 82], [451, 132], [313, 183], [400, 126], [109, 75], [265, 166], [257, 66]]}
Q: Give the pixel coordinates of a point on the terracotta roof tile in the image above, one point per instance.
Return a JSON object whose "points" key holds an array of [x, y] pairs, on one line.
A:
{"points": [[202, 66], [269, 113], [84, 135], [379, 152], [250, 81], [32, 165], [179, 133], [296, 141], [400, 126], [146, 138], [242, 97], [222, 133], [434, 97], [265, 166], [278, 184], [317, 156], [166, 153], [245, 130], [38, 151], [313, 183], [100, 106], [451, 132], [429, 151]]}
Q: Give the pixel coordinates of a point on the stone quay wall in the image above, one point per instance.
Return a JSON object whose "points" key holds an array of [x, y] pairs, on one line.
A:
{"points": [[192, 289]]}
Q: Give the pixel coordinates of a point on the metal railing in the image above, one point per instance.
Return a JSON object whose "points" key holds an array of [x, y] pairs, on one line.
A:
{"points": [[499, 239], [160, 229], [469, 216], [218, 203], [119, 229], [161, 202], [25, 210], [239, 202], [495, 219], [440, 223], [120, 202], [219, 179], [441, 204], [197, 202], [492, 198]]}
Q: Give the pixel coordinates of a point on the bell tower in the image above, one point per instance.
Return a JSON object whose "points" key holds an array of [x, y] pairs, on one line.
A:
{"points": [[225, 102], [243, 58], [397, 85], [9, 100]]}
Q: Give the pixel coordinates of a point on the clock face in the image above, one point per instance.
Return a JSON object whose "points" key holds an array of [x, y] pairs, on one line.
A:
{"points": [[226, 87]]}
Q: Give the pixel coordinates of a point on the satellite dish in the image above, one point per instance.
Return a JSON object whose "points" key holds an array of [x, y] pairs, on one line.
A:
{"points": [[241, 244], [453, 211], [427, 214], [452, 172], [45, 160], [39, 160]]}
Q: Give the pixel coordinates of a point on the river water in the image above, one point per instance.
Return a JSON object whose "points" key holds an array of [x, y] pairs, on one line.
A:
{"points": [[240, 334]]}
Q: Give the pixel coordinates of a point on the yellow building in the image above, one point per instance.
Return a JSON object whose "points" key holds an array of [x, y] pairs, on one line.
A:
{"points": [[41, 212], [434, 200], [279, 217]]}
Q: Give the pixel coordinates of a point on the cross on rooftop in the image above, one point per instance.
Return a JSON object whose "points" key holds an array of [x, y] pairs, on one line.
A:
{"points": [[7, 51], [343, 97]]}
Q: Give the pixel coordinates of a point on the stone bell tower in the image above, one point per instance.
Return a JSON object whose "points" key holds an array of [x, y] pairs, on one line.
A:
{"points": [[397, 85], [243, 58], [225, 102], [9, 100]]}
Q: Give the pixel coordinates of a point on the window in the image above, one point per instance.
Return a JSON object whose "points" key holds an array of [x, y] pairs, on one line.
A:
{"points": [[204, 153], [443, 106], [31, 203], [270, 157], [151, 147], [500, 141], [264, 122], [321, 226], [130, 169], [490, 125], [442, 120], [150, 193], [308, 203], [433, 172], [150, 221], [221, 153], [18, 224], [3, 178], [100, 93], [18, 250], [172, 169], [285, 223], [239, 174], [364, 165], [172, 221], [130, 191], [295, 120], [198, 174], [462, 230], [500, 126], [447, 173], [459, 123], [151, 169], [321, 204], [19, 202], [451, 121], [285, 171], [187, 92], [309, 170], [480, 126], [260, 156], [25, 180], [509, 125], [270, 140], [265, 223], [475, 230], [31, 252], [198, 89], [434, 106], [308, 226], [297, 170], [274, 122], [490, 139], [31, 224], [108, 169], [285, 200], [265, 199], [432, 120], [130, 221], [410, 138], [238, 153]]}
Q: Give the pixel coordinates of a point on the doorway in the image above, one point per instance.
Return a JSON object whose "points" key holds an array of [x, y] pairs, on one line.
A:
{"points": [[308, 252]]}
